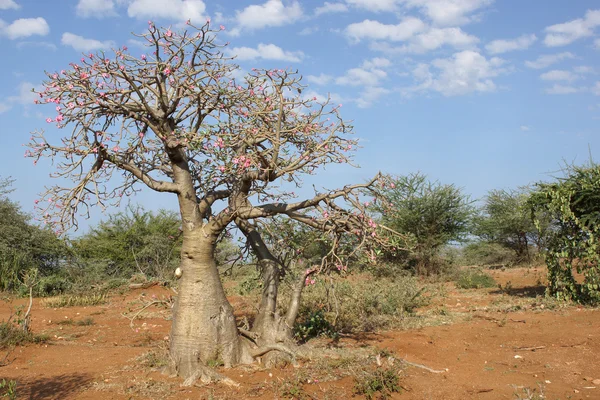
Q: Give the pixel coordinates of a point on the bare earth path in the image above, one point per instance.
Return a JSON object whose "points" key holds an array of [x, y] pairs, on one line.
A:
{"points": [[494, 344]]}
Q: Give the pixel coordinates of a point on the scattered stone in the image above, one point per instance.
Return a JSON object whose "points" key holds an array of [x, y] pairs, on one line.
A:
{"points": [[596, 381]]}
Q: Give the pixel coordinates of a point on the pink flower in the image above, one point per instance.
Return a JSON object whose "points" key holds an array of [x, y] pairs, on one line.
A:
{"points": [[167, 71], [116, 148], [143, 57], [168, 33], [48, 120], [141, 135], [59, 118], [222, 27]]}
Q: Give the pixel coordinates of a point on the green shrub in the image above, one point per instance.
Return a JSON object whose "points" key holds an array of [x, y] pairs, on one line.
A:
{"points": [[484, 253], [475, 279], [359, 304], [12, 335], [382, 382]]}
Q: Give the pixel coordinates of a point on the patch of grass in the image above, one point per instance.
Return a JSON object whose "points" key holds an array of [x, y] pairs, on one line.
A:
{"points": [[381, 382], [527, 393], [81, 322], [154, 359], [475, 279], [8, 389], [78, 300], [358, 304], [13, 335], [293, 388]]}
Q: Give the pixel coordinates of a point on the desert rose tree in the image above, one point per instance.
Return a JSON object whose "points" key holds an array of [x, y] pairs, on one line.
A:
{"points": [[176, 120]]}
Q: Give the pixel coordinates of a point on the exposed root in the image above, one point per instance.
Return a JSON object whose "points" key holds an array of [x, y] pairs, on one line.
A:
{"points": [[206, 375], [261, 351]]}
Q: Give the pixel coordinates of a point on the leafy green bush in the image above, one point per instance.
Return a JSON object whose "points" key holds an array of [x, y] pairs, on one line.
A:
{"points": [[485, 253], [475, 279], [312, 325]]}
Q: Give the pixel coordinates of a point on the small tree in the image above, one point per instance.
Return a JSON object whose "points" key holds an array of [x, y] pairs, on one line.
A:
{"points": [[434, 214], [506, 220], [134, 241], [573, 205], [23, 245], [229, 151]]}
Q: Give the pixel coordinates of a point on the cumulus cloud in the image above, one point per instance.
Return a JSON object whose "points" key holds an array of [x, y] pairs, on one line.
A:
{"points": [[24, 96], [361, 77], [270, 14], [266, 52], [465, 72], [329, 8], [369, 95], [178, 10], [375, 30], [504, 46], [8, 5], [559, 75], [549, 59], [95, 8], [24, 27], [377, 62], [375, 5], [563, 89], [525, 128], [80, 43], [596, 89], [568, 32], [322, 79], [448, 12], [418, 36]]}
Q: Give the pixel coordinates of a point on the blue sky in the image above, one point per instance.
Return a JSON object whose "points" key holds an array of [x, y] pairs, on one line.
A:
{"points": [[481, 93]]}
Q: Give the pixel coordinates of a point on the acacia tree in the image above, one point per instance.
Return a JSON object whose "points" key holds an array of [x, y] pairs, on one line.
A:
{"points": [[176, 120]]}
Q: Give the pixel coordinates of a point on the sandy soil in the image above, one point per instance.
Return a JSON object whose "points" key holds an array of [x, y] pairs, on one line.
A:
{"points": [[489, 343]]}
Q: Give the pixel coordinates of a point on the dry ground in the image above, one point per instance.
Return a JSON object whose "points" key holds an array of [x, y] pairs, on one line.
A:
{"points": [[492, 344]]}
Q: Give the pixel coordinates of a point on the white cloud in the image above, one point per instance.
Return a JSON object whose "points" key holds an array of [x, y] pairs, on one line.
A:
{"points": [[266, 52], [25, 27], [463, 73], [562, 89], [270, 14], [8, 4], [448, 12], [568, 32], [503, 46], [24, 96], [596, 89], [374, 5], [45, 45], [309, 30], [549, 59], [328, 8], [322, 79], [179, 10], [361, 77], [597, 43], [80, 43], [525, 128], [559, 75], [368, 96], [95, 8], [584, 69], [377, 62], [375, 30], [432, 39]]}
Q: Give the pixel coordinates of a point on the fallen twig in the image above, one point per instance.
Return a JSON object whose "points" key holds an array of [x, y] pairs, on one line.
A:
{"points": [[532, 348], [426, 368]]}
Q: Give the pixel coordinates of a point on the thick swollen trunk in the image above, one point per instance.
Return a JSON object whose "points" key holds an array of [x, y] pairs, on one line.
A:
{"points": [[204, 327]]}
